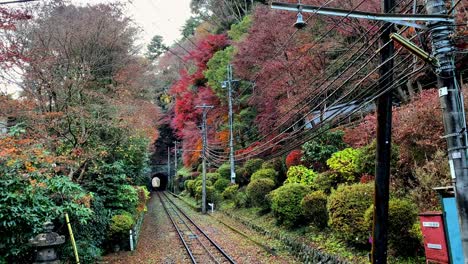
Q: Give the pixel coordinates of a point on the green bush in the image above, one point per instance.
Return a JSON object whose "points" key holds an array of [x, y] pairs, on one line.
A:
{"points": [[90, 236], [213, 176], [221, 184], [366, 160], [279, 166], [402, 216], [189, 186], [230, 192], [241, 176], [316, 152], [252, 166], [286, 203], [29, 200], [345, 163], [326, 181], [211, 194], [120, 224], [241, 199], [126, 199], [346, 207], [224, 171], [264, 173], [314, 207], [300, 174], [184, 172], [258, 189]]}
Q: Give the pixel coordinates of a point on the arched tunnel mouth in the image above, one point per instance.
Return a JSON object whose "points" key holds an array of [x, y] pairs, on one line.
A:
{"points": [[163, 181]]}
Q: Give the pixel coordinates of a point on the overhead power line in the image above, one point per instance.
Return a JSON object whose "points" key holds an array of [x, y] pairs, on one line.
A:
{"points": [[17, 2]]}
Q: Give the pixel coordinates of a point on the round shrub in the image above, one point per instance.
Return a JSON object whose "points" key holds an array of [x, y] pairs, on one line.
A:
{"points": [[286, 203], [346, 163], [213, 176], [346, 207], [189, 186], [221, 184], [402, 216], [264, 174], [252, 166], [224, 171], [230, 192], [326, 181], [258, 189], [314, 207], [241, 176], [300, 174], [241, 199], [211, 194], [120, 224]]}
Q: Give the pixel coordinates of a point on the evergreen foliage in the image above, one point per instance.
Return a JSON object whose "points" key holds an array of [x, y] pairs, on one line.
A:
{"points": [[257, 191], [346, 207], [300, 174], [314, 206], [286, 203]]}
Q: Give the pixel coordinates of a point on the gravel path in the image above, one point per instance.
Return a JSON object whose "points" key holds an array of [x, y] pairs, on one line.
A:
{"points": [[158, 243]]}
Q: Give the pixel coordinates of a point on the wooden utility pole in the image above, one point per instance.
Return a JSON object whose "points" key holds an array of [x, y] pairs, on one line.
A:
{"points": [[205, 108], [384, 139]]}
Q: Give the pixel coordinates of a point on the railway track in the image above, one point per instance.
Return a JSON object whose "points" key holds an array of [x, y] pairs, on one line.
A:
{"points": [[199, 246]]}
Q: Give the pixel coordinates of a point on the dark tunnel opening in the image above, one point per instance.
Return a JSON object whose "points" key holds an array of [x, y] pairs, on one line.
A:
{"points": [[162, 181]]}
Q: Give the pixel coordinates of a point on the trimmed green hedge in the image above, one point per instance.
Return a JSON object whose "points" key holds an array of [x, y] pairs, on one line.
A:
{"points": [[314, 207], [258, 189], [286, 203], [265, 174], [346, 207]]}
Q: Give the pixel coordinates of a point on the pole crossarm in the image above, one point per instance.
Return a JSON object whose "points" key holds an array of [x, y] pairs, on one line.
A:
{"points": [[402, 19]]}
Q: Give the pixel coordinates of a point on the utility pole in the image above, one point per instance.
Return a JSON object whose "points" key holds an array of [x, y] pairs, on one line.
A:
{"points": [[205, 108], [175, 167], [451, 100], [231, 134], [384, 139], [168, 167]]}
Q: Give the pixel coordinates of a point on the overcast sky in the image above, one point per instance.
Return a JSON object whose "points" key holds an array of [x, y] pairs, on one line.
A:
{"points": [[156, 17]]}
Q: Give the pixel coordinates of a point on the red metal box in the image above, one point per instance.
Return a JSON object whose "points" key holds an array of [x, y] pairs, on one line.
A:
{"points": [[435, 245]]}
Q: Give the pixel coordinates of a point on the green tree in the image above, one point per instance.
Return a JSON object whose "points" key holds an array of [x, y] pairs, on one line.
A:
{"points": [[155, 48], [190, 25], [317, 151]]}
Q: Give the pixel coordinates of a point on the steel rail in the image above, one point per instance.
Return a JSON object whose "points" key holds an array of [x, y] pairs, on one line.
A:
{"points": [[201, 231], [192, 258]]}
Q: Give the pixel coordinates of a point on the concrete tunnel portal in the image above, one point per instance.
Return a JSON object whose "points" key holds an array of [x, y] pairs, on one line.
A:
{"points": [[163, 181]]}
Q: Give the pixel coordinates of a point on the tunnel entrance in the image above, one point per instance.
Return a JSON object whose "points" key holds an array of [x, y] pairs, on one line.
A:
{"points": [[162, 181]]}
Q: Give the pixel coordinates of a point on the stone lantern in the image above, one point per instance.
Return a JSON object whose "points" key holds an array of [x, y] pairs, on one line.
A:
{"points": [[45, 244]]}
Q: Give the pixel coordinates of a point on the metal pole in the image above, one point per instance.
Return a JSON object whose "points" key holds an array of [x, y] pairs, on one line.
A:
{"points": [[168, 167], [451, 100], [175, 168], [204, 141], [231, 134], [383, 152]]}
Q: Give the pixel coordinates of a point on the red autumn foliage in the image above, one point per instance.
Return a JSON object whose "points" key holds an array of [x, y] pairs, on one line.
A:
{"points": [[366, 178], [190, 91], [9, 49], [362, 134], [417, 128], [294, 158]]}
